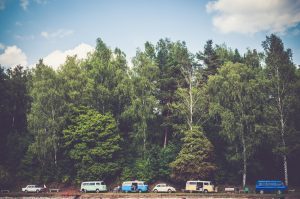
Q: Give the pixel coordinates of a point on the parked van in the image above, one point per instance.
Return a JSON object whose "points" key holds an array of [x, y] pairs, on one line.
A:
{"points": [[199, 186], [267, 186], [93, 186], [134, 186]]}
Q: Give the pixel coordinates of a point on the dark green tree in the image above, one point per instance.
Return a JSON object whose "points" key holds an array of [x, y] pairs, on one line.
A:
{"points": [[93, 144], [235, 95], [195, 159], [281, 72], [211, 61]]}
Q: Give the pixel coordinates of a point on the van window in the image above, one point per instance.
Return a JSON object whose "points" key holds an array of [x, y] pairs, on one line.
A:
{"points": [[97, 183], [140, 183], [192, 183], [205, 183], [92, 183]]}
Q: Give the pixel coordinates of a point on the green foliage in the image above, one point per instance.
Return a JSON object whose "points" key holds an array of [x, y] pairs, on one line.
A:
{"points": [[92, 142], [97, 118], [236, 95], [195, 159], [127, 174]]}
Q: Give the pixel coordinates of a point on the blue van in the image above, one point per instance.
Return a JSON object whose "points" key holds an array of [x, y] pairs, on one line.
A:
{"points": [[134, 186], [267, 186]]}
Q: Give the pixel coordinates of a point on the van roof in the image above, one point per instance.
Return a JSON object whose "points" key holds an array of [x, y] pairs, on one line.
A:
{"points": [[91, 181], [268, 181], [137, 181], [197, 181]]}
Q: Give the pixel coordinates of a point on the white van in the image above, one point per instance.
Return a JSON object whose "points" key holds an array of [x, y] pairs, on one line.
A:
{"points": [[93, 186]]}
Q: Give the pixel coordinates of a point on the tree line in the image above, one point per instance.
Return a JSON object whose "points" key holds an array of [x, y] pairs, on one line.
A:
{"points": [[172, 116]]}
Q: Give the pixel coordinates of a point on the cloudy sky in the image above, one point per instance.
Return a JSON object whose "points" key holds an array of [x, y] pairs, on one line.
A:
{"points": [[53, 29]]}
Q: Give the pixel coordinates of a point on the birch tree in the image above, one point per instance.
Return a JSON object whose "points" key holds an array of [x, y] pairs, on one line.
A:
{"points": [[233, 94], [281, 72]]}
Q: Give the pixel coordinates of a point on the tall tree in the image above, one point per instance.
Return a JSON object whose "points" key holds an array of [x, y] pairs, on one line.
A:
{"points": [[234, 95], [253, 58], [144, 105], [170, 78], [281, 72], [92, 142], [46, 117], [195, 159], [210, 59], [14, 104]]}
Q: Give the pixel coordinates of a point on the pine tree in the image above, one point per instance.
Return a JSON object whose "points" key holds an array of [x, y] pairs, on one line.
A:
{"points": [[195, 159]]}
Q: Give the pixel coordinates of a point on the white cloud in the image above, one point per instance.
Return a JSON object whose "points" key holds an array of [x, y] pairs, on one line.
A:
{"points": [[24, 4], [13, 56], [2, 4], [251, 16], [57, 58], [60, 33]]}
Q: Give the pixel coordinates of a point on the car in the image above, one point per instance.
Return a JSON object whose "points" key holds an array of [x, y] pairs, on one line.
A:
{"points": [[93, 186], [134, 186], [270, 186], [163, 188], [199, 186], [33, 188]]}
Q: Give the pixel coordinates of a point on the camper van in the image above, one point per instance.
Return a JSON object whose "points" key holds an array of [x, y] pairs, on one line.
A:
{"points": [[199, 186], [93, 186], [270, 186], [134, 186]]}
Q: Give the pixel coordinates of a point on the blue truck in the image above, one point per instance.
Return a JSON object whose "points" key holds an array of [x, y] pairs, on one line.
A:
{"points": [[270, 186], [134, 186]]}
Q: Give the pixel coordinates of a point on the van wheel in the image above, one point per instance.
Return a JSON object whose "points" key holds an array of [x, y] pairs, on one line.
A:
{"points": [[155, 190], [279, 192], [26, 191], [37, 191], [84, 191], [169, 191], [97, 191], [205, 191], [261, 191]]}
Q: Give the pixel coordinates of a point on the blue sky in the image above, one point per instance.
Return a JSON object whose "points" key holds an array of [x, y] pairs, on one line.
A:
{"points": [[51, 29]]}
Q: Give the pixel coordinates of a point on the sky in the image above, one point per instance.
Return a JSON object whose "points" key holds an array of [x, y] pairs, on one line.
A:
{"points": [[53, 29]]}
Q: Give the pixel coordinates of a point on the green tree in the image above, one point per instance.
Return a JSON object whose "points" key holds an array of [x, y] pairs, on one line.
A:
{"points": [[170, 78], [235, 95], [281, 72], [253, 58], [144, 104], [46, 118], [93, 144], [195, 158], [210, 59], [14, 104]]}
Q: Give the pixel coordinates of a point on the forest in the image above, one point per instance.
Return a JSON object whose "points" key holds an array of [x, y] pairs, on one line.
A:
{"points": [[170, 116]]}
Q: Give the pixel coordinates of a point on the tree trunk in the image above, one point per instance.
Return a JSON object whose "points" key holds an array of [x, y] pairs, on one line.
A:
{"points": [[284, 148], [244, 161], [282, 129], [166, 138], [144, 134], [191, 102]]}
